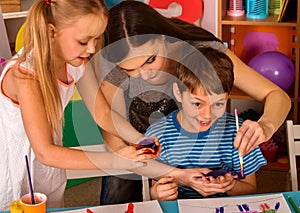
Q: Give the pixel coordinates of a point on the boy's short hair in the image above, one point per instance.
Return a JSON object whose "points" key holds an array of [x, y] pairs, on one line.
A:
{"points": [[206, 67]]}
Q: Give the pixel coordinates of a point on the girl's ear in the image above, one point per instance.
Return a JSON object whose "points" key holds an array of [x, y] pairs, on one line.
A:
{"points": [[51, 31], [176, 92]]}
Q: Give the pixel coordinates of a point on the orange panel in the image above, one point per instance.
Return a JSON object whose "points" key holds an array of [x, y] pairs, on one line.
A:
{"points": [[263, 38]]}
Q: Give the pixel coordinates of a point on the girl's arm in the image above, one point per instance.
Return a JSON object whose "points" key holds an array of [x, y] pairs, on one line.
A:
{"points": [[276, 105], [28, 95], [109, 120]]}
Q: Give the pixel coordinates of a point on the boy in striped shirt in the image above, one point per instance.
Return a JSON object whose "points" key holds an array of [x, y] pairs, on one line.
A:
{"points": [[201, 133]]}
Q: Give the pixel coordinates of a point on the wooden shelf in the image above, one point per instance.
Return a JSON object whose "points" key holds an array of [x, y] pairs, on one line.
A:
{"points": [[232, 29], [271, 166], [278, 166], [25, 5], [238, 94], [13, 15], [243, 20]]}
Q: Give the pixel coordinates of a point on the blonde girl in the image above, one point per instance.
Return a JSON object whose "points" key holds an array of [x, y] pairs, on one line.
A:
{"points": [[37, 84]]}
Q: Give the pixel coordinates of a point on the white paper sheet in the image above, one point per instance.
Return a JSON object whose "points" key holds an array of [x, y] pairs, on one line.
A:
{"points": [[249, 204], [140, 207]]}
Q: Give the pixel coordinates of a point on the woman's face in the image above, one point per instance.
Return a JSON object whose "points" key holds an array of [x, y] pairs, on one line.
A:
{"points": [[148, 62]]}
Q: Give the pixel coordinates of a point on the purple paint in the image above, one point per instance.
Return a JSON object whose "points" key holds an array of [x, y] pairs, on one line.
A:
{"points": [[147, 143], [223, 172]]}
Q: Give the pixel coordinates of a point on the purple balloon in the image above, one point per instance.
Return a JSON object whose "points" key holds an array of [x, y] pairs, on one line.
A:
{"points": [[275, 66]]}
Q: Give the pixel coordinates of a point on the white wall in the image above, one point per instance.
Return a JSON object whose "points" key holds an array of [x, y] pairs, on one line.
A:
{"points": [[4, 43], [210, 16]]}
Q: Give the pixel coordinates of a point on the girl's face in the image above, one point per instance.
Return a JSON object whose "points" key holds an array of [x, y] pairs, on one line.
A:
{"points": [[200, 111], [148, 62], [76, 42]]}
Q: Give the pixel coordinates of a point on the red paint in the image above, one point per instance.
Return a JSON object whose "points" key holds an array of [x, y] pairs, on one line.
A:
{"points": [[89, 211], [130, 208]]}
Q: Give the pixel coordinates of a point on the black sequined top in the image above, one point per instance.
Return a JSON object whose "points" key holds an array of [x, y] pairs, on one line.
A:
{"points": [[145, 103]]}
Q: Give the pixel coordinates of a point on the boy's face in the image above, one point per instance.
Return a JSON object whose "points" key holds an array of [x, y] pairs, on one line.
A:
{"points": [[200, 110]]}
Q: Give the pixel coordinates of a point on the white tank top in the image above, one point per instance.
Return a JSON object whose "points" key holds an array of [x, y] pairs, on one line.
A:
{"points": [[15, 145]]}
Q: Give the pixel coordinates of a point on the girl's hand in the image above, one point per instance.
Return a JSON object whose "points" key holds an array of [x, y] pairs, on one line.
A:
{"points": [[157, 145], [164, 189], [127, 157], [151, 145], [131, 153], [250, 135]]}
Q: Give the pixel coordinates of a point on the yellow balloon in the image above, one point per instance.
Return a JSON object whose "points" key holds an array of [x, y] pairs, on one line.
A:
{"points": [[20, 38]]}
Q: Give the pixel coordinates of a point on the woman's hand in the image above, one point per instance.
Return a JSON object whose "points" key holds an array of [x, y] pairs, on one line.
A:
{"points": [[164, 189], [250, 135]]}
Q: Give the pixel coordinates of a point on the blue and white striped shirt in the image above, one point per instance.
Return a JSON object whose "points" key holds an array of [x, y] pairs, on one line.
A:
{"points": [[211, 149]]}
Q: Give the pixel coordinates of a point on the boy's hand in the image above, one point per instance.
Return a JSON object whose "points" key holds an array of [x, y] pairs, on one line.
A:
{"points": [[195, 178], [185, 176], [210, 185], [164, 189]]}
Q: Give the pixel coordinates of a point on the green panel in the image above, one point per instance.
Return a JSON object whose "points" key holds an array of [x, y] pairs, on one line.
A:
{"points": [[80, 129], [74, 182]]}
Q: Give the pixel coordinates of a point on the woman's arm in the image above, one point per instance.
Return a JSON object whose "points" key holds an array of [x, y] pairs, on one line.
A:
{"points": [[114, 95], [107, 119], [276, 105], [244, 187]]}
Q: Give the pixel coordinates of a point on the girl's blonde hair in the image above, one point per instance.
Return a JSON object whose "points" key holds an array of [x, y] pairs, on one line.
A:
{"points": [[38, 49]]}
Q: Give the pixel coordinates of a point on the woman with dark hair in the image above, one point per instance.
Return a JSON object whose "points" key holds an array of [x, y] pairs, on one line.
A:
{"points": [[145, 47]]}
